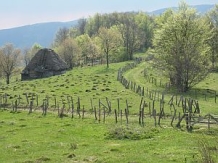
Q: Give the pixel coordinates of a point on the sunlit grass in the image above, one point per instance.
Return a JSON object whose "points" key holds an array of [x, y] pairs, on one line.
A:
{"points": [[32, 137]]}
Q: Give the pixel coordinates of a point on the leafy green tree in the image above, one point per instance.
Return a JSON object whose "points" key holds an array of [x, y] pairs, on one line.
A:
{"points": [[93, 51], [61, 35], [181, 45], [145, 25], [90, 51], [81, 26], [93, 24], [26, 56], [83, 41], [162, 19], [213, 18], [110, 41], [28, 53], [70, 52], [9, 60], [130, 34]]}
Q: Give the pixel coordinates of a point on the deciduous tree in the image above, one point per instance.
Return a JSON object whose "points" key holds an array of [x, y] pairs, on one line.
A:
{"points": [[9, 60], [70, 52], [28, 53], [213, 18], [110, 41], [61, 35], [130, 34], [181, 45]]}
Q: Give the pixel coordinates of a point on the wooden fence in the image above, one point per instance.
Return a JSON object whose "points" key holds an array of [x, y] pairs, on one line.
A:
{"points": [[178, 107]]}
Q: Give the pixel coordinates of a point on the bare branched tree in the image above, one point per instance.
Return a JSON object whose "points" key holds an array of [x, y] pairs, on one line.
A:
{"points": [[9, 60]]}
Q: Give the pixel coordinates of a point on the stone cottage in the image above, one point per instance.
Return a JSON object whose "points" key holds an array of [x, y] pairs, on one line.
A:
{"points": [[45, 63]]}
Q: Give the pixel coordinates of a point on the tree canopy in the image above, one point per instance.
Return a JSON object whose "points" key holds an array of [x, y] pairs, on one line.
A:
{"points": [[9, 60], [182, 48]]}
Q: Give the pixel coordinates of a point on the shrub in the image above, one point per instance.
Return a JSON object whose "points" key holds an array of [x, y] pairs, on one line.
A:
{"points": [[131, 133]]}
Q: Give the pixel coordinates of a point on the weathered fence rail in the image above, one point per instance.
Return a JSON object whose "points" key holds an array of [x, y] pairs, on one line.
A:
{"points": [[181, 109], [178, 107]]}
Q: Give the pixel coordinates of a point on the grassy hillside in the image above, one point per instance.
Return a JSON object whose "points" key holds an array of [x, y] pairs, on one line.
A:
{"points": [[85, 83], [33, 137], [204, 91]]}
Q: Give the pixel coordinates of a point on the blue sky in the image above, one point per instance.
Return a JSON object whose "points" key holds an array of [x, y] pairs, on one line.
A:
{"points": [[15, 13]]}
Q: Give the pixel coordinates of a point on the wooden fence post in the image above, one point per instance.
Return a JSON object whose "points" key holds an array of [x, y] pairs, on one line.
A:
{"points": [[31, 106], [149, 107], [153, 106], [78, 107], [61, 113], [140, 114], [109, 105], [143, 113], [92, 105], [44, 107], [99, 115], [55, 101], [155, 119], [27, 99], [115, 113], [95, 113], [72, 108], [83, 113], [208, 125], [127, 107], [118, 105], [37, 100], [174, 115], [104, 110], [126, 114], [15, 106], [121, 116]]}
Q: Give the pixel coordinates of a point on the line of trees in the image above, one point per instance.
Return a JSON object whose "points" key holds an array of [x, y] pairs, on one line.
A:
{"points": [[184, 43], [106, 38]]}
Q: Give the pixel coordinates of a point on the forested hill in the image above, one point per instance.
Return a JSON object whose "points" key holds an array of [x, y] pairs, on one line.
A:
{"points": [[44, 33]]}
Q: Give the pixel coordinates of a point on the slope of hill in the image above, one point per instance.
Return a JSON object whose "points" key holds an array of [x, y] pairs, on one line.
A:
{"points": [[26, 36], [200, 8]]}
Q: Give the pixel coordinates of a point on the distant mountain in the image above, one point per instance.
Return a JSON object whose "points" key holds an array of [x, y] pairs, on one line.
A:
{"points": [[44, 33], [26, 36], [200, 8]]}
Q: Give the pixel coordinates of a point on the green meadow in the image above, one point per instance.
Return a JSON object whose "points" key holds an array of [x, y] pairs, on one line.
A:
{"points": [[32, 137]]}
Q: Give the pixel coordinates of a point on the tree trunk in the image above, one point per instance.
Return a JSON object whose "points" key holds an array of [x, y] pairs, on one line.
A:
{"points": [[92, 62], [7, 78], [107, 58]]}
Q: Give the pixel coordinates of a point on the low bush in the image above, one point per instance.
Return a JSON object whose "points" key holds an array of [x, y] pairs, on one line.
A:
{"points": [[131, 133]]}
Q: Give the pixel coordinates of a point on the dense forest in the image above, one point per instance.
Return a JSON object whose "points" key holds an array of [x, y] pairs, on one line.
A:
{"points": [[182, 43]]}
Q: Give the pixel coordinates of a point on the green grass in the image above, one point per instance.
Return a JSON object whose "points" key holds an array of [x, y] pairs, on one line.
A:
{"points": [[35, 138], [88, 83], [203, 91]]}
